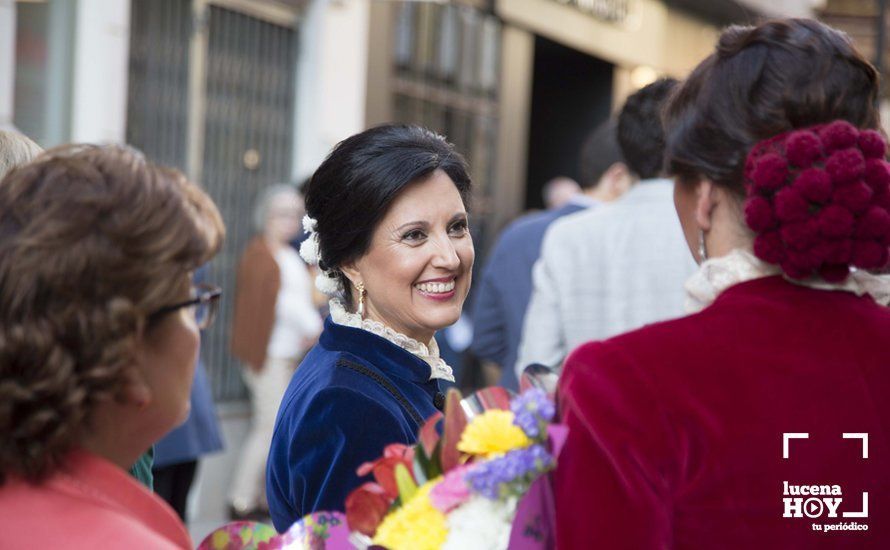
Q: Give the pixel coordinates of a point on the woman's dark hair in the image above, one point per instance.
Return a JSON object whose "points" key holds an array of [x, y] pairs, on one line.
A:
{"points": [[354, 187], [760, 82]]}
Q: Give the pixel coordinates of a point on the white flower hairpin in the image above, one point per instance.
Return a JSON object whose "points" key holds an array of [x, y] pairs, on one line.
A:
{"points": [[326, 281]]}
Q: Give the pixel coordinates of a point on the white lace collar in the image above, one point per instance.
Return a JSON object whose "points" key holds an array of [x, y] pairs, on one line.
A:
{"points": [[717, 274], [428, 352]]}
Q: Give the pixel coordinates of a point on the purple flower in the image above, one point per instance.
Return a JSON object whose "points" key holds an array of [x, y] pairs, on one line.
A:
{"points": [[509, 474], [532, 411]]}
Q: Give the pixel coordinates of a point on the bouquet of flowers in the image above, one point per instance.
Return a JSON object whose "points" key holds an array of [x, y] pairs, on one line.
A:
{"points": [[475, 479]]}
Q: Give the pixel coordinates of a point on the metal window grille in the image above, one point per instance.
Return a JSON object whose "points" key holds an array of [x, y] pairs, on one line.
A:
{"points": [[247, 128]]}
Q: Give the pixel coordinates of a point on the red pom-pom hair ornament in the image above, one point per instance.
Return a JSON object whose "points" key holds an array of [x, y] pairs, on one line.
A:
{"points": [[769, 247], [855, 197], [835, 222], [834, 273], [827, 207], [869, 254], [874, 224], [815, 185], [846, 165], [759, 214], [800, 235], [837, 135], [803, 148], [872, 144], [791, 206], [877, 175], [769, 173]]}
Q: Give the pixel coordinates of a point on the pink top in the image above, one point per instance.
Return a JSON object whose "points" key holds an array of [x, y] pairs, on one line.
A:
{"points": [[90, 503]]}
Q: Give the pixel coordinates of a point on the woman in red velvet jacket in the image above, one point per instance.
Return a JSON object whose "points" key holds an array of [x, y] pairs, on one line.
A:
{"points": [[762, 420]]}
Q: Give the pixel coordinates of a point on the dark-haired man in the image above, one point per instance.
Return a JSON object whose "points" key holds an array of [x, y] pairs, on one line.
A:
{"points": [[506, 286], [617, 268]]}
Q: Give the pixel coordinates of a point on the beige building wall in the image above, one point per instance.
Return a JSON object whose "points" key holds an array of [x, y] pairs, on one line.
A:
{"points": [[653, 41]]}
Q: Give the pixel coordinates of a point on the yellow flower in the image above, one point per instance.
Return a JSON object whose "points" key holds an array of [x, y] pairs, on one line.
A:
{"points": [[417, 525], [491, 433]]}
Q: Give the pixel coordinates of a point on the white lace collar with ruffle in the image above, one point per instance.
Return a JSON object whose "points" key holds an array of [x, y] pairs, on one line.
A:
{"points": [[429, 353], [717, 274]]}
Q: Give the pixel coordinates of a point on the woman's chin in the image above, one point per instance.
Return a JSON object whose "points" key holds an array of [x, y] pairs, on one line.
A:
{"points": [[442, 319]]}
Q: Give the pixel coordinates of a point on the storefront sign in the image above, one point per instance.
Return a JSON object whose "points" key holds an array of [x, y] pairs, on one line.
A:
{"points": [[613, 11]]}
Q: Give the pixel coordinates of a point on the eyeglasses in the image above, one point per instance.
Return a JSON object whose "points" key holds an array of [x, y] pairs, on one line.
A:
{"points": [[205, 305]]}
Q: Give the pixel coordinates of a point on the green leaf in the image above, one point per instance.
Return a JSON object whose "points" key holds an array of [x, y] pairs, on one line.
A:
{"points": [[405, 483]]}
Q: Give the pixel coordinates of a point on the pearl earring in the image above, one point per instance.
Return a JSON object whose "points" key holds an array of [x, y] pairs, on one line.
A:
{"points": [[702, 249], [361, 299]]}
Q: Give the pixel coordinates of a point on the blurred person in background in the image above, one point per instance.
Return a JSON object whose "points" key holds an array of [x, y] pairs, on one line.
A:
{"points": [[676, 430], [176, 455], [605, 271], [274, 324], [387, 213], [503, 295], [559, 191], [99, 333]]}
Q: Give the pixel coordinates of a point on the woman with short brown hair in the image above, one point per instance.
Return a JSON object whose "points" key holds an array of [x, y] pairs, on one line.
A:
{"points": [[98, 340]]}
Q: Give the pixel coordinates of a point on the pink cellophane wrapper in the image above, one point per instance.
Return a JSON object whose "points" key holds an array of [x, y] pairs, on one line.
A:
{"points": [[318, 531], [534, 527]]}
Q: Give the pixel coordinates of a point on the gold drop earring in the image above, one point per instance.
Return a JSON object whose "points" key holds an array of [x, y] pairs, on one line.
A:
{"points": [[361, 299]]}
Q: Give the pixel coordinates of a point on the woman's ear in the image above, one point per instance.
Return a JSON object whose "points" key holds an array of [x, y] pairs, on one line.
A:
{"points": [[705, 201], [352, 273], [135, 390]]}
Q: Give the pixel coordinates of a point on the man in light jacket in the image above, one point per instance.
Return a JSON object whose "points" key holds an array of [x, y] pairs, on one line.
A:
{"points": [[606, 271]]}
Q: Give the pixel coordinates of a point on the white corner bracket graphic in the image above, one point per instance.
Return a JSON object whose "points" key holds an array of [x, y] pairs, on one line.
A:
{"points": [[864, 438], [864, 512], [792, 435]]}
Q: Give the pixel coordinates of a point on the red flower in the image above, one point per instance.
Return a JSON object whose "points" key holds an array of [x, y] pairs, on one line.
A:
{"points": [[834, 273], [791, 206], [800, 235], [384, 468], [835, 221], [872, 144], [814, 184], [835, 251], [759, 214], [855, 197], [769, 173], [769, 248], [366, 507], [874, 224], [877, 175], [845, 165], [803, 148], [838, 135], [869, 255], [795, 271]]}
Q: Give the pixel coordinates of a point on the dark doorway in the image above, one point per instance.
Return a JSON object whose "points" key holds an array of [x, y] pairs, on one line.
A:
{"points": [[571, 94]]}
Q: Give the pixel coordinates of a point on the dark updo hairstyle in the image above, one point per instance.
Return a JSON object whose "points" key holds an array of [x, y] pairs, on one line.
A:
{"points": [[783, 115], [354, 187], [763, 81]]}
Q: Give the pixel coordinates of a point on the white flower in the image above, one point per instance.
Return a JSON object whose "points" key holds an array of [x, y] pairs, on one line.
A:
{"points": [[329, 286], [309, 249], [481, 524], [309, 224]]}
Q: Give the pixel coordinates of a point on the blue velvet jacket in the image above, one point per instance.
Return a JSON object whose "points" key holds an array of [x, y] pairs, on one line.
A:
{"points": [[352, 395]]}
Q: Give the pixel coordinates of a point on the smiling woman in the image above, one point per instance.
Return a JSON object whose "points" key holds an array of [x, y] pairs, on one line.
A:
{"points": [[388, 220]]}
